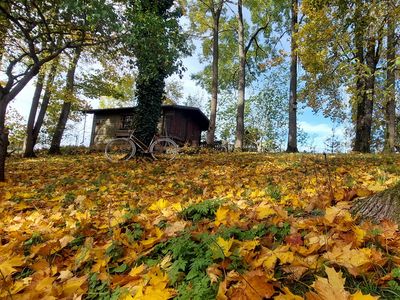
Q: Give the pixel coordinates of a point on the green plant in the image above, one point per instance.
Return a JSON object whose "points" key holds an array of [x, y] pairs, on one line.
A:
{"points": [[274, 191], [279, 231], [115, 252], [35, 239], [241, 235], [101, 290], [190, 257], [202, 210]]}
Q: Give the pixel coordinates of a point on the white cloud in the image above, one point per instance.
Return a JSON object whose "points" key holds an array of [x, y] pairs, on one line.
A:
{"points": [[319, 133]]}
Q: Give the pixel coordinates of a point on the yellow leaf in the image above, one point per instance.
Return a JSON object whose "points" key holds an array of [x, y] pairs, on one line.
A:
{"points": [[7, 196], [225, 245], [288, 295], [221, 215], [7, 267], [159, 205], [158, 294], [64, 275], [360, 234], [139, 293], [72, 286], [264, 211], [360, 296], [44, 284], [331, 288], [137, 270]]}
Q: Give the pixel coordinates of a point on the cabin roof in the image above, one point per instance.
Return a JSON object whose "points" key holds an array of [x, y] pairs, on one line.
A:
{"points": [[193, 112]]}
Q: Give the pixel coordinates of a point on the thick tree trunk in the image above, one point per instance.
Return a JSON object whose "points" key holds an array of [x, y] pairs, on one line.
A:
{"points": [[366, 101], [383, 205], [29, 144], [242, 81], [292, 134], [214, 84], [150, 94], [66, 107], [390, 103]]}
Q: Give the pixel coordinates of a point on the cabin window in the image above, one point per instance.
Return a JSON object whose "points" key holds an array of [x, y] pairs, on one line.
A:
{"points": [[127, 122]]}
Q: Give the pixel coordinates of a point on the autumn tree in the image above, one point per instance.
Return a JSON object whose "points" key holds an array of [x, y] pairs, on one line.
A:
{"points": [[38, 32], [341, 47], [205, 17], [392, 11], [40, 102], [157, 42], [292, 133], [69, 95]]}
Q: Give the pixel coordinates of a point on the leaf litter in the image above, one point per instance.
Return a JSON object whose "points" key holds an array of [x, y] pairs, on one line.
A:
{"points": [[210, 226]]}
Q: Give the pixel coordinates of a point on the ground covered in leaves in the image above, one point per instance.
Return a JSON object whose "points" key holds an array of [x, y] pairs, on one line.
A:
{"points": [[206, 226]]}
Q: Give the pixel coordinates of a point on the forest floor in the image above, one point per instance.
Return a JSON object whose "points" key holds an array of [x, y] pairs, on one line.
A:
{"points": [[205, 226]]}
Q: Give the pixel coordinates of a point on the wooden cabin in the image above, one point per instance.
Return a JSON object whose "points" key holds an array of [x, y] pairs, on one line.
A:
{"points": [[184, 124]]}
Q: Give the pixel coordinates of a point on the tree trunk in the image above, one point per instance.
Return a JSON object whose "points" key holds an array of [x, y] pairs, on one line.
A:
{"points": [[214, 84], [29, 144], [4, 24], [242, 81], [3, 136], [383, 205], [150, 94], [366, 92], [66, 107], [292, 134], [33, 133], [390, 103]]}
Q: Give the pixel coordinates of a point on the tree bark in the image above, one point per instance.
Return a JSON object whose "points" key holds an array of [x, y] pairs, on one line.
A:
{"points": [[390, 103], [380, 206], [216, 14], [365, 101], [34, 129], [28, 145], [292, 134], [242, 81], [3, 137], [4, 24], [66, 107]]}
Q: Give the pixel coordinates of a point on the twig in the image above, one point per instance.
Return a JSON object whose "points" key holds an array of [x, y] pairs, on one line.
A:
{"points": [[329, 177]]}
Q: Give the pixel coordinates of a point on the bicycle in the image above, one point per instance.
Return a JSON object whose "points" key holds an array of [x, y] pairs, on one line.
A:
{"points": [[160, 148]]}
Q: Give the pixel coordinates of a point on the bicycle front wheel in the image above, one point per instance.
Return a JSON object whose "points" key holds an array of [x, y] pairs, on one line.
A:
{"points": [[120, 149], [163, 149]]}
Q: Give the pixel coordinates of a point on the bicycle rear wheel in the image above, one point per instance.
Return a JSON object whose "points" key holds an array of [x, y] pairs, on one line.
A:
{"points": [[120, 149], [163, 149]]}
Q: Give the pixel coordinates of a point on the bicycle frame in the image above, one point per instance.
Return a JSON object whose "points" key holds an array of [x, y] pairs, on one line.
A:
{"points": [[139, 143]]}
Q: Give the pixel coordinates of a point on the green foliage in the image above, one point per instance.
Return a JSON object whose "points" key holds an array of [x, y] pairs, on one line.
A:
{"points": [[241, 235], [15, 123], [35, 239], [115, 251], [279, 231], [133, 231], [190, 258], [197, 290], [101, 290], [202, 210], [158, 41]]}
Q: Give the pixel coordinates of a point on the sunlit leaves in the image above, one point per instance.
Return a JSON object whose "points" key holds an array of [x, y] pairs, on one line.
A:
{"points": [[208, 226]]}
